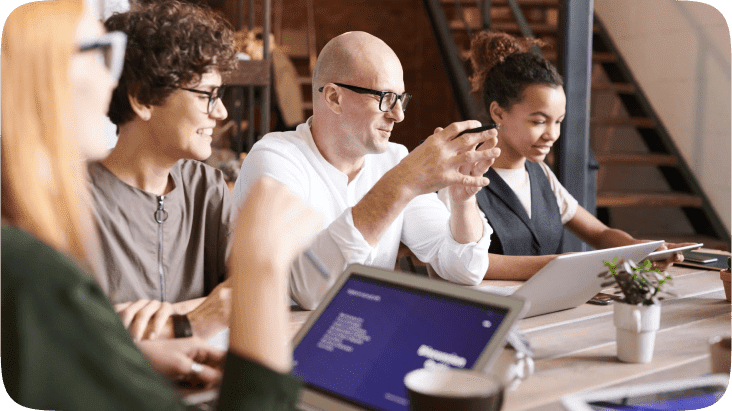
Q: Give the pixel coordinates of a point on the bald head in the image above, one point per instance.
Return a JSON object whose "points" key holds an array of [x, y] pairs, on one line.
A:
{"points": [[355, 57]]}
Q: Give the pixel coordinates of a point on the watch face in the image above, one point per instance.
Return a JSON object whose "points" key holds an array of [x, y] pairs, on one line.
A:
{"points": [[181, 326]]}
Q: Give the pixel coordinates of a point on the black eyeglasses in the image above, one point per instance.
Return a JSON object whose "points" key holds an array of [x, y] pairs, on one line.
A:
{"points": [[213, 96], [112, 48], [388, 99]]}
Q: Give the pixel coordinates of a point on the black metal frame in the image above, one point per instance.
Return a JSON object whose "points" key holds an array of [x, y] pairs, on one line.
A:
{"points": [[265, 96], [575, 165], [520, 19], [454, 65]]}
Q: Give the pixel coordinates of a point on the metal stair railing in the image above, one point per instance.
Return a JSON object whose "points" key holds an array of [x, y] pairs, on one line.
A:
{"points": [[454, 65], [520, 19]]}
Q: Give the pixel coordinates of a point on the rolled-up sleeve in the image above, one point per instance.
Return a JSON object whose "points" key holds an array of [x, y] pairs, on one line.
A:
{"points": [[427, 233], [337, 246]]}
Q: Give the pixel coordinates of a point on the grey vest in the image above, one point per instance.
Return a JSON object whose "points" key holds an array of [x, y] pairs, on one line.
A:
{"points": [[514, 233]]}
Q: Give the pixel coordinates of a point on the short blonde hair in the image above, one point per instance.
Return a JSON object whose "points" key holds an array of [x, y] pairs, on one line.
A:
{"points": [[43, 179]]}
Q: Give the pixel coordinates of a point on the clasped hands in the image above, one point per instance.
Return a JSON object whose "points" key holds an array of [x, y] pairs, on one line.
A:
{"points": [[151, 319], [276, 225], [444, 160]]}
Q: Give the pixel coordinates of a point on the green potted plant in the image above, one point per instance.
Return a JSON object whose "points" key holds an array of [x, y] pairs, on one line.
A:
{"points": [[725, 276], [637, 310]]}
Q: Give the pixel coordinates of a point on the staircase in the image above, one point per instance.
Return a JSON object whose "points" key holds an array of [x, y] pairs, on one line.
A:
{"points": [[632, 146], [298, 43]]}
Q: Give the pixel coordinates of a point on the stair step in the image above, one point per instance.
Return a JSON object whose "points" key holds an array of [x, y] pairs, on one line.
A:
{"points": [[294, 52], [624, 88], [651, 159], [603, 57], [304, 80], [514, 28], [552, 56], [597, 57], [616, 199], [473, 3], [509, 27], [644, 122]]}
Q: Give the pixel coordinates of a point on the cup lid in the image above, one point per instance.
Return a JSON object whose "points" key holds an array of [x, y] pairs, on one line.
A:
{"points": [[452, 382]]}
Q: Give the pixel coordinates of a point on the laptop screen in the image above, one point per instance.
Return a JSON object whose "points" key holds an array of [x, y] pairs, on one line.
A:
{"points": [[373, 333]]}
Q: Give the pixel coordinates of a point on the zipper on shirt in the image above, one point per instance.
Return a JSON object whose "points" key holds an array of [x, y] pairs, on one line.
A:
{"points": [[160, 216]]}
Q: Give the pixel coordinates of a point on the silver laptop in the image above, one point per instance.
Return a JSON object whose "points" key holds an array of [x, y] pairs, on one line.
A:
{"points": [[374, 326], [569, 280]]}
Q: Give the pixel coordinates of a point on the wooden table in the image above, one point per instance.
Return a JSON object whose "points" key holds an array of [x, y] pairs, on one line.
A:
{"points": [[575, 349]]}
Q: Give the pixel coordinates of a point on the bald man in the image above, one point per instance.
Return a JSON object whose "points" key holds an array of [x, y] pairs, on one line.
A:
{"points": [[372, 193]]}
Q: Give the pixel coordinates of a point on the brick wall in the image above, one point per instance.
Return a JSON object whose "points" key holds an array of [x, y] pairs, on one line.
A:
{"points": [[404, 26]]}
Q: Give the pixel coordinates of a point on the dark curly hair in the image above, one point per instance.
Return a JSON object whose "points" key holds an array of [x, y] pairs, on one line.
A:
{"points": [[169, 44], [503, 65]]}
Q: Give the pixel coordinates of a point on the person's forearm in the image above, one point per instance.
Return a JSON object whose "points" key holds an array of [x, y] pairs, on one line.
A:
{"points": [[590, 230], [259, 319], [466, 224], [378, 209], [515, 267], [184, 307], [612, 238]]}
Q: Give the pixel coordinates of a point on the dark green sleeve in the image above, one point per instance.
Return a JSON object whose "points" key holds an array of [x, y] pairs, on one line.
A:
{"points": [[265, 389], [64, 347]]}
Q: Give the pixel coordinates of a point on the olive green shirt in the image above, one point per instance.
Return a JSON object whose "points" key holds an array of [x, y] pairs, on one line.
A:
{"points": [[64, 347]]}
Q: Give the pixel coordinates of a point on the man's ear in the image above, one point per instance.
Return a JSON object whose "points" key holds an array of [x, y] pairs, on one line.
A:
{"points": [[496, 112], [144, 111], [332, 98]]}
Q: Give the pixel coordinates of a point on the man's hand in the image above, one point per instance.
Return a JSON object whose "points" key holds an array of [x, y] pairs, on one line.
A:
{"points": [[146, 319], [460, 193], [443, 160], [174, 359]]}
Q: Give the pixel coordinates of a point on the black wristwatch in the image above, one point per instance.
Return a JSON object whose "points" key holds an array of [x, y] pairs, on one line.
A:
{"points": [[181, 326]]}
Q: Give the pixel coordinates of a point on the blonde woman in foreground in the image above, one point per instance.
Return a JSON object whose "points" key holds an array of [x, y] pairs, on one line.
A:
{"points": [[63, 346]]}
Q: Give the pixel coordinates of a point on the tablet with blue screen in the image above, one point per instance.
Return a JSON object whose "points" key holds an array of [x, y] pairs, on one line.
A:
{"points": [[691, 394], [375, 326]]}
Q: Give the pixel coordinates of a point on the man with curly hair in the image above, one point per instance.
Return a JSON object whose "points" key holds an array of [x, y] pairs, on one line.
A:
{"points": [[164, 218]]}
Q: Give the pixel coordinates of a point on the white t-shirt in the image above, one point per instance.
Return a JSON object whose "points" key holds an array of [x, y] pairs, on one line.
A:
{"points": [[293, 159]]}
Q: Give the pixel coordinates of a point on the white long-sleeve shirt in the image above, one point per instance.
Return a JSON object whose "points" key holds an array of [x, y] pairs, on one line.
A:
{"points": [[293, 159]]}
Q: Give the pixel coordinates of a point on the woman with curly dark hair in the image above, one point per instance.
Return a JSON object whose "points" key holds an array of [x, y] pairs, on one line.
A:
{"points": [[525, 204], [164, 218]]}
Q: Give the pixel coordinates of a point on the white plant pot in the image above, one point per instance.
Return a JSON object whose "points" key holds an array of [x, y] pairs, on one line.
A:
{"points": [[636, 327]]}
